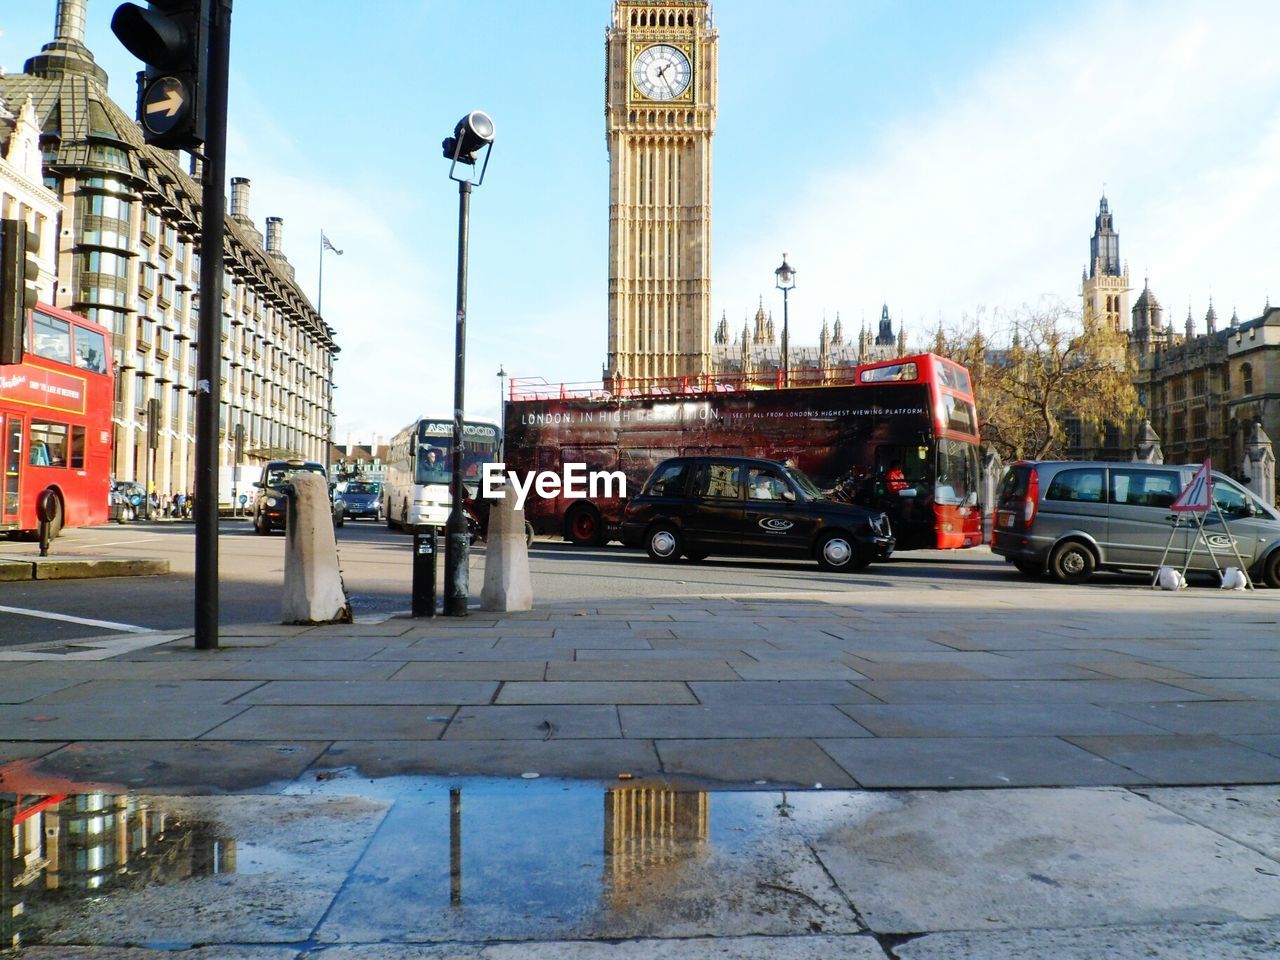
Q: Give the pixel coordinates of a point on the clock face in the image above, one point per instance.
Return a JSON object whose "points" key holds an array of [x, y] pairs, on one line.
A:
{"points": [[661, 72]]}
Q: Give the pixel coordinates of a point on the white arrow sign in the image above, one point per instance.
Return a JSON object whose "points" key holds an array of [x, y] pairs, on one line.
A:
{"points": [[170, 105]]}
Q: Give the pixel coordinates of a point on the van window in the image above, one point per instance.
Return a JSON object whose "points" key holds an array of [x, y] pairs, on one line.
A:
{"points": [[1081, 486], [1144, 488], [1014, 487], [1232, 502]]}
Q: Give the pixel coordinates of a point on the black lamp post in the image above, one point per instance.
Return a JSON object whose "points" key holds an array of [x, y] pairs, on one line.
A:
{"points": [[786, 283], [473, 133], [502, 410]]}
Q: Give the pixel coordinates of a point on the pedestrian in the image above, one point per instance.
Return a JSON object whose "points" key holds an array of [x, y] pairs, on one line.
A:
{"points": [[895, 480]]}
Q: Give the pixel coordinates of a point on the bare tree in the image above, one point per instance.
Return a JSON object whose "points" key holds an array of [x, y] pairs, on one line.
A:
{"points": [[1052, 369]]}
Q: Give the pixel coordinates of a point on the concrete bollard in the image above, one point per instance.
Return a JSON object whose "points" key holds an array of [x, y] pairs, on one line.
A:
{"points": [[313, 591], [506, 557]]}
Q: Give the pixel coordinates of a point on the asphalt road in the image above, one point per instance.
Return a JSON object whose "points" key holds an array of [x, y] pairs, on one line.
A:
{"points": [[376, 566]]}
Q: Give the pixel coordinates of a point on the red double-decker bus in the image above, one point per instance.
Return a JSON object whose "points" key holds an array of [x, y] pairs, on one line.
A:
{"points": [[55, 423], [898, 435]]}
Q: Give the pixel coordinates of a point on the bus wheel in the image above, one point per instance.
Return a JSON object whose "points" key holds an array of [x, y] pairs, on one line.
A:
{"points": [[528, 533], [1071, 562], [664, 544], [583, 527]]}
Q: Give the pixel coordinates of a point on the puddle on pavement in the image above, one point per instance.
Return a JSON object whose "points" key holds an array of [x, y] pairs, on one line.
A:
{"points": [[413, 859]]}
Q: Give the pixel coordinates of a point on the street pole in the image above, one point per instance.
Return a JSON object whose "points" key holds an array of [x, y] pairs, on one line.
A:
{"points": [[502, 411], [786, 344], [457, 584], [209, 329]]}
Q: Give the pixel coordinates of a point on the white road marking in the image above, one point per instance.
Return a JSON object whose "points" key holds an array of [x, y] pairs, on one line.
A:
{"points": [[116, 543], [83, 621]]}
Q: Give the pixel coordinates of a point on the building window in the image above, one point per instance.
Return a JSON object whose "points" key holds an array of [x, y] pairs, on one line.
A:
{"points": [[1071, 426], [1246, 378], [1179, 389], [1197, 384], [1111, 436], [1199, 424]]}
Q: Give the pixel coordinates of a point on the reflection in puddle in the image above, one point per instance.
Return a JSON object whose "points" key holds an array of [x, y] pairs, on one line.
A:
{"points": [[61, 848], [405, 859]]}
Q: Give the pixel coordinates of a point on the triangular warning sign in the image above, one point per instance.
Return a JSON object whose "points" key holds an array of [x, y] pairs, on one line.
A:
{"points": [[1198, 495]]}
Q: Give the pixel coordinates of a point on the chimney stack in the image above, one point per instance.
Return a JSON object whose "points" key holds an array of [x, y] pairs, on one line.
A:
{"points": [[70, 25], [275, 235], [240, 199]]}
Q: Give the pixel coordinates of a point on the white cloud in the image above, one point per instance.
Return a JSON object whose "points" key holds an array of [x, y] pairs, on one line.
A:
{"points": [[987, 196]]}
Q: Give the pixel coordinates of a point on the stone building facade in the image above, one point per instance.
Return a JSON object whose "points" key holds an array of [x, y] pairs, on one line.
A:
{"points": [[23, 195], [127, 257]]}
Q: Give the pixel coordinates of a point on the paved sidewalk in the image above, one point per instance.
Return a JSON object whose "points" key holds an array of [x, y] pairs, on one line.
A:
{"points": [[904, 685]]}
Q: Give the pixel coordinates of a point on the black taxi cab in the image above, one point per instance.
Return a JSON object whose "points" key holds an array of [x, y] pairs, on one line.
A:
{"points": [[696, 506], [270, 506]]}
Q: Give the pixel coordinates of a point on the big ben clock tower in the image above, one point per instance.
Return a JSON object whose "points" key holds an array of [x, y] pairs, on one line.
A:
{"points": [[660, 108]]}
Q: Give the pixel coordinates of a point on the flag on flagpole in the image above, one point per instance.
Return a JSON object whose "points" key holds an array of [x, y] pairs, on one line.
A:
{"points": [[328, 244], [1198, 495]]}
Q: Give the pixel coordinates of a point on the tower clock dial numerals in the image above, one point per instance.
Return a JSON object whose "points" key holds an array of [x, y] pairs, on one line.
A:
{"points": [[661, 72]]}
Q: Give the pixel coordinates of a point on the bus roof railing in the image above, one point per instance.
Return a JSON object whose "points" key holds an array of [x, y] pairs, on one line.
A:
{"points": [[538, 388]]}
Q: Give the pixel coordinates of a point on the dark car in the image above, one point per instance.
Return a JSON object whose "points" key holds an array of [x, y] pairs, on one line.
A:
{"points": [[697, 506], [271, 504], [357, 498]]}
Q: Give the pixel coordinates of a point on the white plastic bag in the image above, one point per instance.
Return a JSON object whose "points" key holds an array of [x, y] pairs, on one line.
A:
{"points": [[1170, 579], [1233, 578]]}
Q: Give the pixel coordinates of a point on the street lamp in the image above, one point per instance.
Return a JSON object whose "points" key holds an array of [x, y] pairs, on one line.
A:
{"points": [[473, 133], [502, 411], [786, 283]]}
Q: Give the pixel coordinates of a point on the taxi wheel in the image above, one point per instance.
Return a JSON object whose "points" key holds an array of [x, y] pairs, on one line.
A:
{"points": [[836, 552], [1071, 562], [664, 544], [261, 526], [528, 533]]}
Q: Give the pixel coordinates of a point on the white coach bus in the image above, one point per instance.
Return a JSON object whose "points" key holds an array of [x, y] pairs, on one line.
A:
{"points": [[419, 465]]}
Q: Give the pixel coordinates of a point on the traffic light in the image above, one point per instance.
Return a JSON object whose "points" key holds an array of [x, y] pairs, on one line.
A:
{"points": [[19, 285], [172, 38], [153, 424]]}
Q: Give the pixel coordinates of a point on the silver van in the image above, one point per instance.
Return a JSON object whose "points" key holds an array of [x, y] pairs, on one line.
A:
{"points": [[1070, 518]]}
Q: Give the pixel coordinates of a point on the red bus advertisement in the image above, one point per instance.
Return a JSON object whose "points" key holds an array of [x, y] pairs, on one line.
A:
{"points": [[55, 423], [898, 435]]}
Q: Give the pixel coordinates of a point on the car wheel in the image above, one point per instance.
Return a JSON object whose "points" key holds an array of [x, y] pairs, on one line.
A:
{"points": [[1271, 570], [261, 525], [342, 518], [584, 527], [836, 552], [664, 544], [1072, 562], [1029, 568]]}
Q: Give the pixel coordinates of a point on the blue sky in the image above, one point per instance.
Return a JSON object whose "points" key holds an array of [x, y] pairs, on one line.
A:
{"points": [[943, 158]]}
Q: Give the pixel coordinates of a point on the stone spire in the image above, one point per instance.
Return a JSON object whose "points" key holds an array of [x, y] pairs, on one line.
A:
{"points": [[1104, 246], [1191, 325], [758, 335], [837, 336], [768, 330], [722, 329], [66, 53], [1211, 319]]}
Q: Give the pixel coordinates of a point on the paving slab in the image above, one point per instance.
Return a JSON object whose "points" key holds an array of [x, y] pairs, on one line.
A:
{"points": [[221, 952], [307, 670], [25, 688], [853, 947], [994, 720], [1248, 815], [973, 762], [469, 670], [371, 692], [686, 670], [733, 721], [1042, 691], [269, 840], [1227, 941], [23, 749], [1233, 688], [144, 694], [779, 692], [592, 691], [112, 720], [1174, 759], [270, 722], [179, 766], [795, 669], [1221, 717], [601, 760], [542, 722], [973, 860], [734, 870], [751, 764]]}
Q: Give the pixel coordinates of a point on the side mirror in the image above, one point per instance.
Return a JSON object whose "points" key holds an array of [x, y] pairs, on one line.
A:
{"points": [[789, 495]]}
